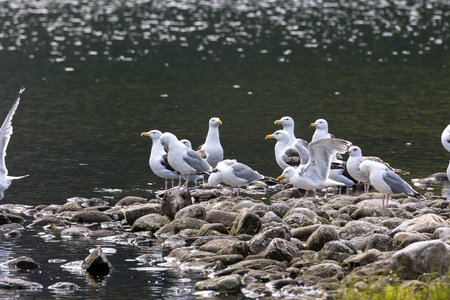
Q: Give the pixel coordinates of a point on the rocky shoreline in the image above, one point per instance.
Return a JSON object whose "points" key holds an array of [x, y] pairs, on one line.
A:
{"points": [[292, 247]]}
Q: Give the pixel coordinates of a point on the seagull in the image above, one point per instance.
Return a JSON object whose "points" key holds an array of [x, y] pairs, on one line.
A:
{"points": [[353, 166], [5, 134], [386, 181], [285, 155], [315, 174], [158, 158], [202, 154], [445, 138], [212, 144], [339, 173], [184, 160], [321, 132], [233, 173], [448, 171], [300, 144]]}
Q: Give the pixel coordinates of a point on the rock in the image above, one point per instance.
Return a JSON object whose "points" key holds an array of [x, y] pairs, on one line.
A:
{"points": [[325, 270], [218, 227], [187, 223], [320, 237], [49, 220], [421, 257], [286, 194], [218, 216], [131, 200], [280, 209], [267, 233], [151, 222], [372, 211], [23, 263], [90, 216], [11, 229], [391, 223], [305, 203], [174, 200], [253, 264], [362, 259], [226, 260], [195, 211], [75, 231], [360, 228], [96, 263], [18, 284], [217, 244], [64, 286], [269, 217], [240, 248], [427, 223], [134, 212], [303, 233], [225, 284], [69, 206], [441, 232], [380, 242], [281, 250], [247, 223]]}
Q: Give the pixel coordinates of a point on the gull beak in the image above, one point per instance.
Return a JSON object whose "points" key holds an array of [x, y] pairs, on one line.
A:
{"points": [[278, 122], [280, 177], [219, 122], [144, 134], [269, 136], [312, 125]]}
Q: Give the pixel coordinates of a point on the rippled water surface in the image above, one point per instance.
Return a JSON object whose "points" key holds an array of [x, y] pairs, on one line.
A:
{"points": [[98, 73]]}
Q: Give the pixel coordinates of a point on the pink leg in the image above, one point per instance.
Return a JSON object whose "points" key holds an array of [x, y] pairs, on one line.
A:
{"points": [[306, 193], [165, 184], [231, 197], [184, 188]]}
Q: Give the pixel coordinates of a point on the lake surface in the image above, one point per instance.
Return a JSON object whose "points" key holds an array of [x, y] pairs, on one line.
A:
{"points": [[98, 73]]}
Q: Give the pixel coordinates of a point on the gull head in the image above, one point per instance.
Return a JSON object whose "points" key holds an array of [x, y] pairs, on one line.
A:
{"points": [[153, 134], [215, 122], [288, 173], [279, 135], [285, 121], [320, 124], [354, 151]]}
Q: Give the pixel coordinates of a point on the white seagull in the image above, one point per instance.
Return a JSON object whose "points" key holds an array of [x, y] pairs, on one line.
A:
{"points": [[234, 174], [5, 134], [353, 166], [202, 154], [285, 155], [300, 144], [386, 181], [315, 174], [212, 144], [158, 158], [321, 131], [183, 159], [445, 138]]}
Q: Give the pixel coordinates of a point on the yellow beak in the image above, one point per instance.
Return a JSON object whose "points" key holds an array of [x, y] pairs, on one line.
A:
{"points": [[277, 122], [144, 134], [312, 125], [280, 177], [269, 136], [219, 122]]}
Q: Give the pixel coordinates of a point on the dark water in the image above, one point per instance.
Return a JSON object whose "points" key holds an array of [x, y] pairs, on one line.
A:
{"points": [[98, 73]]}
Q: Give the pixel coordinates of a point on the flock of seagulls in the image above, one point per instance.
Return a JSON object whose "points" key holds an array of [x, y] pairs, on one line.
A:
{"points": [[309, 166]]}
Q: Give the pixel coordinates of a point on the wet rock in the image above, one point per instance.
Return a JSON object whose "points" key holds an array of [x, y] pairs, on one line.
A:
{"points": [[253, 264], [196, 211], [421, 257], [281, 250], [75, 231], [131, 200], [218, 216], [226, 260], [84, 202], [49, 220], [280, 209], [267, 233], [4, 219], [217, 227], [303, 233], [174, 200], [186, 223], [360, 228], [18, 284], [23, 263], [69, 206], [240, 248], [380, 242], [134, 212], [205, 195], [115, 213], [225, 284], [64, 286], [427, 223], [217, 244], [11, 229], [96, 263], [151, 222], [256, 290], [90, 216], [320, 237], [247, 223]]}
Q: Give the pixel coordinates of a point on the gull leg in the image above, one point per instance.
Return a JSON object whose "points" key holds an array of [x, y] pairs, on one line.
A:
{"points": [[306, 193], [387, 200], [172, 182], [184, 188], [165, 184], [179, 181]]}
